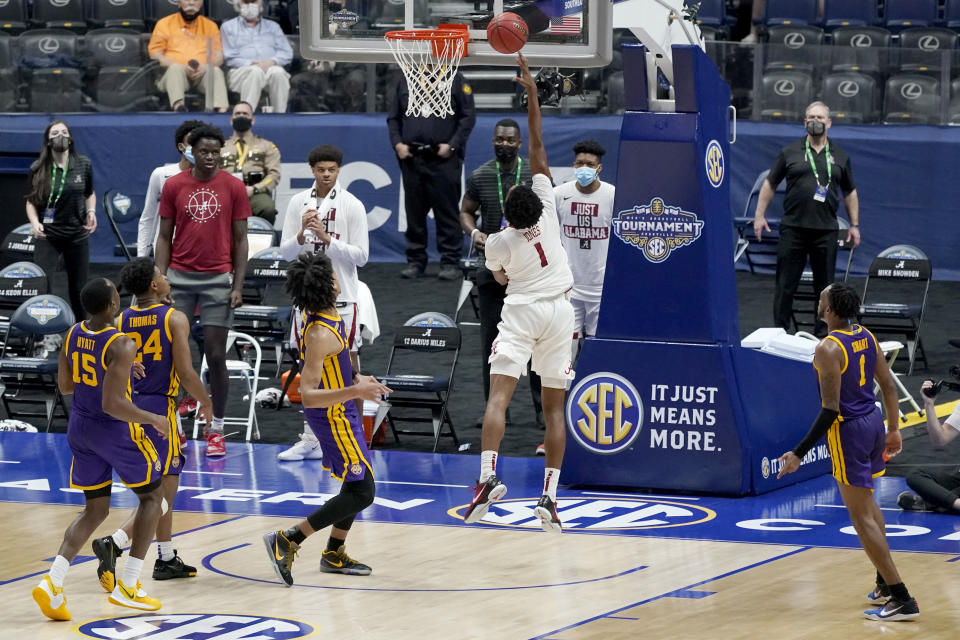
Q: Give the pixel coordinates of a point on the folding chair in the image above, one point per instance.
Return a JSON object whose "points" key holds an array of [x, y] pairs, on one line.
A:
{"points": [[468, 289], [891, 349], [27, 379], [260, 235], [806, 298], [760, 254], [895, 296], [120, 209], [426, 334], [19, 282], [269, 324], [239, 369], [19, 244]]}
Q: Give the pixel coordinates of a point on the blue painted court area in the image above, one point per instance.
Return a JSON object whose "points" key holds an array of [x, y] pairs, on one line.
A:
{"points": [[434, 489]]}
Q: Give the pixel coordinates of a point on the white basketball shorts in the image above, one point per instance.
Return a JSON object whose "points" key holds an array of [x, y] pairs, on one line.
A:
{"points": [[540, 330]]}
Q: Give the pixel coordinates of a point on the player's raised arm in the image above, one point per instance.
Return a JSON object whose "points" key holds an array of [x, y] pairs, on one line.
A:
{"points": [[321, 343], [119, 360], [538, 154]]}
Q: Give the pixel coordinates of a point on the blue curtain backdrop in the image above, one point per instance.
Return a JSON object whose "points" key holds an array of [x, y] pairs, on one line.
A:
{"points": [[904, 175]]}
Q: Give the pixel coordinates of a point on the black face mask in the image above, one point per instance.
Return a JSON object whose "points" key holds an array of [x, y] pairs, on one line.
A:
{"points": [[60, 143], [816, 128], [242, 124], [188, 17], [505, 153]]}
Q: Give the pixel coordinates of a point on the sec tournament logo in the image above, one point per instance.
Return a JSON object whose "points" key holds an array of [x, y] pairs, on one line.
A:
{"points": [[714, 163], [604, 413], [657, 228], [195, 626]]}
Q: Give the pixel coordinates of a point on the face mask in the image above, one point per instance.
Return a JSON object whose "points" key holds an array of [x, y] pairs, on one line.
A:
{"points": [[816, 128], [189, 17], [188, 154], [585, 176], [505, 153], [250, 10], [242, 124], [60, 143]]}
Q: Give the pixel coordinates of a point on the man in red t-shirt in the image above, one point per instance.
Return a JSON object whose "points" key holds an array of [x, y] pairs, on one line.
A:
{"points": [[206, 261]]}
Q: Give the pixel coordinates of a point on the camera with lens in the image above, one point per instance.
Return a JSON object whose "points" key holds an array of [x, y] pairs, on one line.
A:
{"points": [[940, 384], [551, 86]]}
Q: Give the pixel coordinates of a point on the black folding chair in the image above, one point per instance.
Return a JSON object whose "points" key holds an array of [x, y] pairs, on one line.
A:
{"points": [[29, 379], [895, 296], [269, 324], [424, 384], [120, 209], [19, 282]]}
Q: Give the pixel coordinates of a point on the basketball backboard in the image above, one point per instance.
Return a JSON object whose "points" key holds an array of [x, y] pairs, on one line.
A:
{"points": [[565, 33]]}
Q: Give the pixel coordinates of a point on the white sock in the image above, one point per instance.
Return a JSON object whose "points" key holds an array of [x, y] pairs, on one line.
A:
{"points": [[120, 538], [166, 550], [58, 572], [551, 477], [308, 433], [488, 464], [216, 425], [131, 572]]}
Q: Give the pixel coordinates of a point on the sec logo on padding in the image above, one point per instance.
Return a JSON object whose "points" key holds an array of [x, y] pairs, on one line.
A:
{"points": [[195, 626], [604, 413], [714, 162]]}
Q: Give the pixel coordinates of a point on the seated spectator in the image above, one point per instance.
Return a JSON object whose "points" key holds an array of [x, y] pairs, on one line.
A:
{"points": [[184, 43], [254, 160], [256, 52], [937, 490]]}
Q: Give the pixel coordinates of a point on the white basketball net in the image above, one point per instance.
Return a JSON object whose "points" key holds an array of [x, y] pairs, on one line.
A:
{"points": [[429, 64]]}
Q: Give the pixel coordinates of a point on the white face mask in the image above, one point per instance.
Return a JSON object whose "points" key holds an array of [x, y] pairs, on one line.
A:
{"points": [[250, 10]]}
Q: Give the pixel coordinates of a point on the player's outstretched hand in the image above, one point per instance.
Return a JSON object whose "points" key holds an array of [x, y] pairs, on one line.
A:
{"points": [[205, 412], [369, 388], [161, 424], [525, 80], [789, 462], [894, 444], [139, 372]]}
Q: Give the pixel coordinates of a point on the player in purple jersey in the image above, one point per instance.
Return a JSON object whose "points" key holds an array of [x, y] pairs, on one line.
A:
{"points": [[105, 434], [162, 335], [328, 386], [848, 361]]}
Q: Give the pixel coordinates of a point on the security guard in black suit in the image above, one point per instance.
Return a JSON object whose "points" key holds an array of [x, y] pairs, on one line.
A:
{"points": [[431, 152]]}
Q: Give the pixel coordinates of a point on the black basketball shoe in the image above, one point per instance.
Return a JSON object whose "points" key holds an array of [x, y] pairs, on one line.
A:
{"points": [[172, 568], [484, 494], [879, 595], [107, 553], [895, 610], [339, 562], [546, 510], [282, 553]]}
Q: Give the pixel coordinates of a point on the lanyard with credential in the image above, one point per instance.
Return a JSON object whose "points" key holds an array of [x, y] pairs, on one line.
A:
{"points": [[500, 184], [242, 150], [51, 201], [816, 174]]}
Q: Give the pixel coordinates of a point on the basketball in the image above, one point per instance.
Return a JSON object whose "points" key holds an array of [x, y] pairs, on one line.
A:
{"points": [[507, 32]]}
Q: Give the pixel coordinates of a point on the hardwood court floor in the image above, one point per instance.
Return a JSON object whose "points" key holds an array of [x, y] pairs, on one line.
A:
{"points": [[780, 565]]}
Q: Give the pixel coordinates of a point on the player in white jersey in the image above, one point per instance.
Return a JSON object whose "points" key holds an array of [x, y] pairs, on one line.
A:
{"points": [[149, 218], [328, 218], [536, 321], [585, 207]]}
